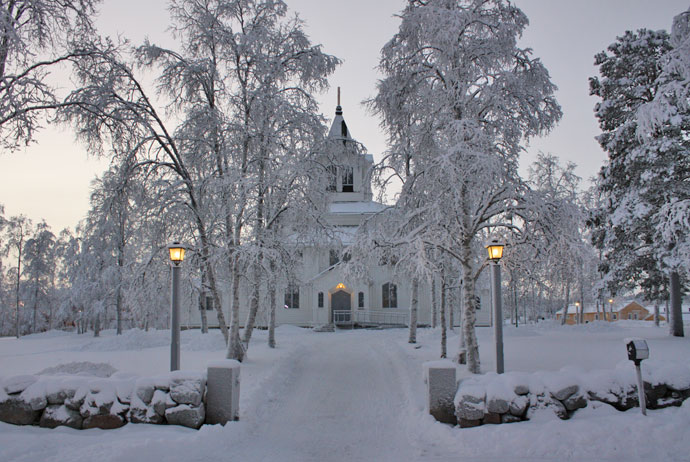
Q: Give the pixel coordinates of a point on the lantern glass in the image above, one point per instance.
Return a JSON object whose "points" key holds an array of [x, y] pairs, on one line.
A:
{"points": [[340, 286], [176, 253], [495, 251]]}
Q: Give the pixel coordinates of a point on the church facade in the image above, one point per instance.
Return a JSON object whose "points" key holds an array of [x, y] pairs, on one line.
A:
{"points": [[322, 292]]}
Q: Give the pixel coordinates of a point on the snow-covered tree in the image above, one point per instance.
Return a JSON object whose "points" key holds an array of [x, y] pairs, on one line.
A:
{"points": [[622, 227], [458, 100], [39, 272], [18, 230], [664, 134], [35, 37]]}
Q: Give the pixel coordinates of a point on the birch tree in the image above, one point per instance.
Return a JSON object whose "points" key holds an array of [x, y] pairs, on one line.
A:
{"points": [[458, 100], [36, 36]]}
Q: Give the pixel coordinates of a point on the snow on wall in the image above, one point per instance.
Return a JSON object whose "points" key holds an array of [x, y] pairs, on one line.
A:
{"points": [[515, 396], [83, 402]]}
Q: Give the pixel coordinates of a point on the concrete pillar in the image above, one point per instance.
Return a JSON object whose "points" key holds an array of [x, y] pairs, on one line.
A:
{"points": [[441, 388], [223, 392]]}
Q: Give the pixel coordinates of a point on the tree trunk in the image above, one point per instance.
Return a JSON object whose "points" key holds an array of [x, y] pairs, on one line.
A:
{"points": [[35, 312], [203, 303], [235, 348], [515, 300], [272, 317], [97, 326], [468, 322], [462, 348], [413, 312], [666, 311], [19, 272], [118, 308], [567, 302], [676, 309], [582, 301], [434, 305], [444, 353], [253, 306], [656, 313]]}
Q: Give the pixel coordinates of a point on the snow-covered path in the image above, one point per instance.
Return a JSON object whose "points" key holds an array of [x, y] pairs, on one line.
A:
{"points": [[350, 396], [339, 400]]}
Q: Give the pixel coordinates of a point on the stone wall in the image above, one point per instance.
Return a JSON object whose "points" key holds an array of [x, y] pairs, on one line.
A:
{"points": [[81, 402], [515, 397]]}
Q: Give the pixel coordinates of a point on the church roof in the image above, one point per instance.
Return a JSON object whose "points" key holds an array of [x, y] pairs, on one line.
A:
{"points": [[356, 207], [339, 129]]}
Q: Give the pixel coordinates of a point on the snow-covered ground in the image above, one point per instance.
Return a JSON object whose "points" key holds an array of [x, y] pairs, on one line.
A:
{"points": [[351, 395]]}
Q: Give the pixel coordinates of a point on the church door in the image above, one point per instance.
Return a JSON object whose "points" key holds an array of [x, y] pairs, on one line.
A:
{"points": [[341, 301]]}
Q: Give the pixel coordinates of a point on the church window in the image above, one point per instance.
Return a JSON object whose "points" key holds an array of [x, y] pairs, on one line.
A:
{"points": [[360, 300], [320, 297], [333, 257], [389, 295], [292, 296], [332, 172], [477, 303], [348, 179], [343, 129]]}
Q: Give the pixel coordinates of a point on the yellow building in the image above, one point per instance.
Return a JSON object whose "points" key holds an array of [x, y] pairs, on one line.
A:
{"points": [[631, 311]]}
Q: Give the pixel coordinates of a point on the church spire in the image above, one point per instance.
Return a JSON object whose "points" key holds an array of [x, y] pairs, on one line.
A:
{"points": [[339, 128]]}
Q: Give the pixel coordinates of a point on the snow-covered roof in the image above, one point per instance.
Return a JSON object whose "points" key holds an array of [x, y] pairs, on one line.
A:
{"points": [[356, 207]]}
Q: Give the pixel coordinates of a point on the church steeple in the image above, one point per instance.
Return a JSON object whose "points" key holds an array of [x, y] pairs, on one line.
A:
{"points": [[339, 130]]}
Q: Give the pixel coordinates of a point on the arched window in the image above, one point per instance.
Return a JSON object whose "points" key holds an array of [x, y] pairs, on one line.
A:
{"points": [[292, 296], [389, 295], [348, 179], [360, 300], [320, 299]]}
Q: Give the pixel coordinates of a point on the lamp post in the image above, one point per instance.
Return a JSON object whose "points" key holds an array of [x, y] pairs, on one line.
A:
{"points": [[495, 254], [176, 251], [578, 314], [610, 309]]}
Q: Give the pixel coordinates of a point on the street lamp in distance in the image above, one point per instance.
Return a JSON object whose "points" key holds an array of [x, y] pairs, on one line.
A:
{"points": [[495, 250], [176, 252]]}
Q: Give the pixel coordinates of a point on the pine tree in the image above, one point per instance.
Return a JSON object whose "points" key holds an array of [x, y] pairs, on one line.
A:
{"points": [[630, 73]]}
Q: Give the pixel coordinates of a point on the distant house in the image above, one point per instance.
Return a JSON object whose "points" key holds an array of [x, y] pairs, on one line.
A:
{"points": [[630, 311]]}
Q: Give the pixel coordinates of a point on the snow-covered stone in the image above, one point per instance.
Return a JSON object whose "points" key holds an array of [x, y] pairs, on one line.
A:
{"points": [[187, 387], [19, 383], [15, 410], [35, 396], [161, 401], [104, 421], [469, 402], [60, 415], [519, 405], [185, 415], [574, 402]]}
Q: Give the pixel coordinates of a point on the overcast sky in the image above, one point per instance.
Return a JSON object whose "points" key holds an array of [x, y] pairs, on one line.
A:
{"points": [[51, 180]]}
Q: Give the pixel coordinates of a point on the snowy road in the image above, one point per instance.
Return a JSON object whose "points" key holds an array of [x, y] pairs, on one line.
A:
{"points": [[340, 400]]}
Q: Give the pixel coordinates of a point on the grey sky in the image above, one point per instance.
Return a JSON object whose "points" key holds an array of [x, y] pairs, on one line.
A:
{"points": [[51, 179]]}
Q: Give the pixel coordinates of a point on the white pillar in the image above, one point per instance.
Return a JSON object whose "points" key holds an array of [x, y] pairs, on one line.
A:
{"points": [[223, 392]]}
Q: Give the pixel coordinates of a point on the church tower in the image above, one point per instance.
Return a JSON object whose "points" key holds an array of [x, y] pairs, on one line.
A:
{"points": [[348, 164]]}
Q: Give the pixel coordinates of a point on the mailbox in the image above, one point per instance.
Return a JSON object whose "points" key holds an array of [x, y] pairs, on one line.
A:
{"points": [[637, 350]]}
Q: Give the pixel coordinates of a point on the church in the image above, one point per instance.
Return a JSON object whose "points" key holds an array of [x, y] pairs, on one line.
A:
{"points": [[322, 293]]}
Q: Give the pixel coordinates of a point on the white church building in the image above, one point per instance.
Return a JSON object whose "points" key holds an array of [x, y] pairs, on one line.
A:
{"points": [[323, 294]]}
